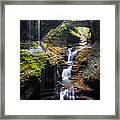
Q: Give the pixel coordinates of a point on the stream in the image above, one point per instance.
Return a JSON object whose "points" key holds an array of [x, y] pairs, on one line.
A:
{"points": [[68, 94]]}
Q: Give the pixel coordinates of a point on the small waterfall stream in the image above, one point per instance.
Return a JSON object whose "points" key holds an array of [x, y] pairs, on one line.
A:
{"points": [[66, 75], [39, 41], [40, 48], [71, 55], [62, 94]]}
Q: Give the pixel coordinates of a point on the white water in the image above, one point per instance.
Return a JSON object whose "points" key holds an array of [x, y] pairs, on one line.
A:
{"points": [[62, 94], [68, 93], [40, 48], [70, 52], [71, 55], [66, 75]]}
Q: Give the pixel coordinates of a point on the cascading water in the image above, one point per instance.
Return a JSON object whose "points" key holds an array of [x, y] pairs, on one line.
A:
{"points": [[40, 48], [69, 94], [66, 74], [62, 94], [70, 52], [71, 55], [39, 41]]}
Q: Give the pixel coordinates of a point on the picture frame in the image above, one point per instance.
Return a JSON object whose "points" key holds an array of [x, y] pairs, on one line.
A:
{"points": [[70, 2]]}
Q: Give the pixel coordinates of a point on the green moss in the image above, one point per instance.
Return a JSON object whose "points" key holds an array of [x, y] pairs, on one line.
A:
{"points": [[28, 45], [25, 45], [31, 65], [69, 32], [34, 44], [44, 45], [82, 32], [58, 36]]}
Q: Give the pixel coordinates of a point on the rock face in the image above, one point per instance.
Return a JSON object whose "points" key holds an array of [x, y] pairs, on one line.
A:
{"points": [[56, 54], [88, 61], [80, 61], [93, 66], [86, 74], [68, 33]]}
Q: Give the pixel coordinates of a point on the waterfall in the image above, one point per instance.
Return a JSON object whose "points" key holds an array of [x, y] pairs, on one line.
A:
{"points": [[70, 51], [71, 55], [40, 48], [66, 74], [39, 41], [68, 93], [72, 93], [62, 94]]}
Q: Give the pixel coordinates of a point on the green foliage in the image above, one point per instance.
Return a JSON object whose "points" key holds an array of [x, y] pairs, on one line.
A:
{"points": [[28, 44], [59, 35], [82, 32], [34, 44], [25, 45], [44, 45], [70, 32], [31, 65]]}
